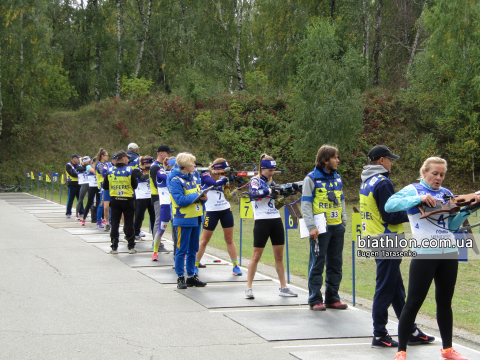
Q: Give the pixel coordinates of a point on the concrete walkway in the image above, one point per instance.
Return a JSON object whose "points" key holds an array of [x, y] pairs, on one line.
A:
{"points": [[63, 298]]}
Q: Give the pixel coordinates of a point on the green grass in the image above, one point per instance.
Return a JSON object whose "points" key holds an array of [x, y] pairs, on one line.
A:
{"points": [[467, 292]]}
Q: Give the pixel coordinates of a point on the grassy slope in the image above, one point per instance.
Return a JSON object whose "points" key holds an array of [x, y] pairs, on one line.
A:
{"points": [[58, 135]]}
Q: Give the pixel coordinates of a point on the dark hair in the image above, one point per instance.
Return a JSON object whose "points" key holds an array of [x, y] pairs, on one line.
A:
{"points": [[325, 153], [100, 153]]}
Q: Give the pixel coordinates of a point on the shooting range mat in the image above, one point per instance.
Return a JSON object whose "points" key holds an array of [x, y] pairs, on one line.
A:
{"points": [[54, 215], [305, 324], [60, 220], [210, 274], [13, 195], [18, 202], [98, 238], [140, 246], [46, 211], [145, 260], [365, 352], [47, 207], [232, 295], [75, 225], [80, 231]]}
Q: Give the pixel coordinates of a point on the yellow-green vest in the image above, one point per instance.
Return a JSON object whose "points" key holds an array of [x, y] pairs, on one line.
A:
{"points": [[69, 178], [153, 182], [321, 204], [372, 222], [120, 182], [192, 210]]}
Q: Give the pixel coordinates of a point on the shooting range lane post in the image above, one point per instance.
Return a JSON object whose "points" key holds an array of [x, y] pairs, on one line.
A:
{"points": [[62, 181], [289, 224], [356, 231], [28, 175], [39, 180], [246, 212], [54, 180]]}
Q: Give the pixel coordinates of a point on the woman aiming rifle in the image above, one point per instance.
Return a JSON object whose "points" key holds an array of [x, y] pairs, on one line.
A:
{"points": [[268, 224], [218, 209], [433, 263]]}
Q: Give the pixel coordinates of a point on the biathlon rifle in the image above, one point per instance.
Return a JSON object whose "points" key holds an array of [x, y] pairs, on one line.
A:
{"points": [[452, 204]]}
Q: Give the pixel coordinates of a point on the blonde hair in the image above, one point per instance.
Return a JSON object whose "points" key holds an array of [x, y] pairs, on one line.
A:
{"points": [[141, 158], [165, 161], [263, 157], [427, 165], [185, 159], [216, 161]]}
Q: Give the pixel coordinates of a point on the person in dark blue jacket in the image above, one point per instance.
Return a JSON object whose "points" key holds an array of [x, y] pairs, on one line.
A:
{"points": [[187, 210], [375, 190]]}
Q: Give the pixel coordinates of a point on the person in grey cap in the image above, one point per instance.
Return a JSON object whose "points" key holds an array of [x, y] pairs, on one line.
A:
{"points": [[375, 190]]}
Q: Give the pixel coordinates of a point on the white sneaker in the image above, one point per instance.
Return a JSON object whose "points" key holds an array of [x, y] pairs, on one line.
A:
{"points": [[114, 252], [287, 292], [249, 294], [132, 251]]}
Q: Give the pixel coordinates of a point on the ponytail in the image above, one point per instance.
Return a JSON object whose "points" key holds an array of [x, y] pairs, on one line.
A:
{"points": [[100, 153]]}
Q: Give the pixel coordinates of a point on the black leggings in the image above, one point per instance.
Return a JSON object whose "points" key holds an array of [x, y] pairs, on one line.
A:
{"points": [[140, 206], [422, 272], [91, 204]]}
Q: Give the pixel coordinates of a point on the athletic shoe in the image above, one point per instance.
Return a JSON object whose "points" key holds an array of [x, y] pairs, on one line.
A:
{"points": [[451, 354], [82, 223], [287, 292], [318, 307], [99, 225], [249, 294], [107, 227], [104, 222], [181, 283], [384, 342], [114, 252], [141, 234], [201, 266], [132, 251], [337, 305], [162, 248], [420, 338], [237, 271], [68, 216], [195, 281], [401, 355], [155, 257], [138, 238], [77, 218]]}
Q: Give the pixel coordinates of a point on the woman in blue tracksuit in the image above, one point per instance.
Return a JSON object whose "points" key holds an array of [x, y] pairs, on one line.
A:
{"points": [[268, 224], [218, 209], [187, 210], [432, 262]]}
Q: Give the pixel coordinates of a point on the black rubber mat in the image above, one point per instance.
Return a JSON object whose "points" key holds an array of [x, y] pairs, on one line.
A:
{"points": [[210, 274], [307, 324], [145, 260], [231, 296]]}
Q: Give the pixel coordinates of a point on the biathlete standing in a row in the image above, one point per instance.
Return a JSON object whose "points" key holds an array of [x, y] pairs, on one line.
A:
{"points": [[143, 199], [434, 263], [165, 211], [218, 209], [92, 195], [268, 224], [102, 157]]}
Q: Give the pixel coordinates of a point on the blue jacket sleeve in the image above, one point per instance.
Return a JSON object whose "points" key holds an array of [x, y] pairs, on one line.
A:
{"points": [[176, 190], [458, 220], [383, 191], [404, 200], [255, 191], [208, 180]]}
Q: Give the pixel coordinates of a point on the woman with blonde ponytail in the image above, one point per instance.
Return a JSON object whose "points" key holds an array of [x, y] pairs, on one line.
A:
{"points": [[268, 224]]}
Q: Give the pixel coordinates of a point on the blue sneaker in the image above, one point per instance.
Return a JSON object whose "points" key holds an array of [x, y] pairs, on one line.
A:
{"points": [[68, 216], [237, 271], [141, 234]]}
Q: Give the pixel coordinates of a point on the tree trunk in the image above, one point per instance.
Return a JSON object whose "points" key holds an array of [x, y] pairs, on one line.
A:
{"points": [[98, 55], [239, 14], [332, 9], [366, 38], [415, 43], [1, 102], [21, 67], [146, 23], [119, 53], [376, 45]]}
